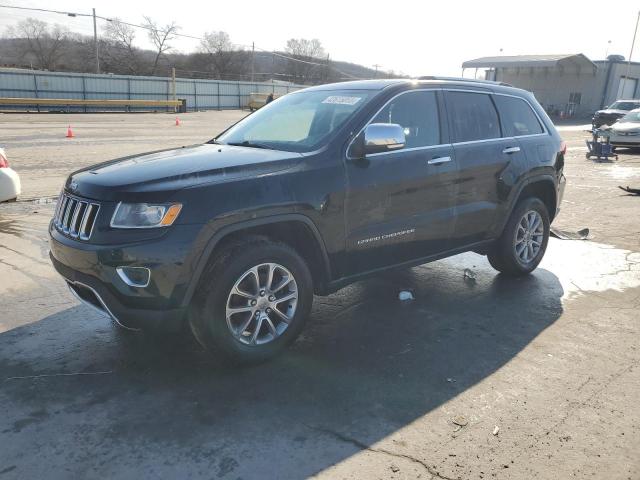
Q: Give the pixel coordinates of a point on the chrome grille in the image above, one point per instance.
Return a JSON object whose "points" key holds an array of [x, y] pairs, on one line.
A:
{"points": [[75, 217]]}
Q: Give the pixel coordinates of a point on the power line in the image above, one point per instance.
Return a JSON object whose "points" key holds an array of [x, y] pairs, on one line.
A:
{"points": [[69, 14]]}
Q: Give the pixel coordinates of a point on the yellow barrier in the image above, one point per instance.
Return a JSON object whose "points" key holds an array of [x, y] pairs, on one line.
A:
{"points": [[76, 102]]}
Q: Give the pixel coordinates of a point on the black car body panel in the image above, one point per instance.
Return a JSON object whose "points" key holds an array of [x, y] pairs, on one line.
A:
{"points": [[362, 214]]}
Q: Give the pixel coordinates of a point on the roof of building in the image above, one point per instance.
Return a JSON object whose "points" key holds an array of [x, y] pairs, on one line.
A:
{"points": [[505, 61]]}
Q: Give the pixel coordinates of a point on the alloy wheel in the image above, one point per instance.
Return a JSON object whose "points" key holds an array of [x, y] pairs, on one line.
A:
{"points": [[529, 237], [262, 304]]}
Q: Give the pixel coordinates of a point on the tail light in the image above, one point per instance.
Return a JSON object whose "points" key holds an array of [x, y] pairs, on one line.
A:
{"points": [[4, 163], [563, 147]]}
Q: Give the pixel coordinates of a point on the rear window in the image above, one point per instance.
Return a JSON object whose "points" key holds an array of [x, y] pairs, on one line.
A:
{"points": [[473, 116], [517, 117]]}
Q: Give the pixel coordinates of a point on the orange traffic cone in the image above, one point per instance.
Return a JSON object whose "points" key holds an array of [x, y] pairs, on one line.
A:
{"points": [[177, 122], [69, 132]]}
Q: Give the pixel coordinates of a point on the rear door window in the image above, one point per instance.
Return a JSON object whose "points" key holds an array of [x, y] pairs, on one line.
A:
{"points": [[517, 117], [473, 116], [417, 113]]}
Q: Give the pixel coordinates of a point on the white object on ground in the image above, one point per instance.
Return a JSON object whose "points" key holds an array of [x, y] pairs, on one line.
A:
{"points": [[405, 295]]}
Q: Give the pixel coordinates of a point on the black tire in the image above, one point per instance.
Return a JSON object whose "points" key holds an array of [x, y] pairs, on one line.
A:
{"points": [[207, 315], [503, 256]]}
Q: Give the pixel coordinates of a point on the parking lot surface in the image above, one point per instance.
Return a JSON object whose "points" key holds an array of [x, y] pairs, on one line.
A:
{"points": [[484, 377]]}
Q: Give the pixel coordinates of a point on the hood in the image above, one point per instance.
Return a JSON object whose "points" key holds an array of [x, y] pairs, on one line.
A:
{"points": [[610, 111], [159, 174], [626, 126]]}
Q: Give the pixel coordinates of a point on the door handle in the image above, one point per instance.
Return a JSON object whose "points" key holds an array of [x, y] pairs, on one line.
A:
{"points": [[438, 160], [511, 150]]}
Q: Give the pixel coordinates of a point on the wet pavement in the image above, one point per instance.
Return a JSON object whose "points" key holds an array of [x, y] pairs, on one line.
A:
{"points": [[370, 390]]}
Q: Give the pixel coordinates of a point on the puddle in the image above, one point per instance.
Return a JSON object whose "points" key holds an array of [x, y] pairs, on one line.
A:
{"points": [[620, 172], [584, 266], [45, 200]]}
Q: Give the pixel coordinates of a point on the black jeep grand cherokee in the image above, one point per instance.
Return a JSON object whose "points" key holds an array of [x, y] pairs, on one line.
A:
{"points": [[314, 191]]}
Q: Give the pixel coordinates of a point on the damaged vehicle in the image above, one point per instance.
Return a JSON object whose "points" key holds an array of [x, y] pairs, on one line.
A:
{"points": [[9, 180], [318, 189], [613, 112]]}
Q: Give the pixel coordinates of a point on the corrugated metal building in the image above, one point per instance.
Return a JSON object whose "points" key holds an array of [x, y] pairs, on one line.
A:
{"points": [[570, 84], [199, 94]]}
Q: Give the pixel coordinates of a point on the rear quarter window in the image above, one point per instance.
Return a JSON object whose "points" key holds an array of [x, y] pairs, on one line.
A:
{"points": [[517, 117]]}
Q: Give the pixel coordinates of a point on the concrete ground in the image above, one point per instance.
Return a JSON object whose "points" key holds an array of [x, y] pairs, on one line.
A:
{"points": [[487, 378]]}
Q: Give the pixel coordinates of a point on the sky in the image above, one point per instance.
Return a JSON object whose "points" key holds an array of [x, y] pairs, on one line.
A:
{"points": [[411, 37]]}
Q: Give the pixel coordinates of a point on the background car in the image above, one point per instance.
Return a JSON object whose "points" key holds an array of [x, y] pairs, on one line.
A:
{"points": [[626, 131], [9, 180], [614, 112]]}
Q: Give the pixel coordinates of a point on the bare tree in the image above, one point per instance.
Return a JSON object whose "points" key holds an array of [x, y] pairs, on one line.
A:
{"points": [[160, 37], [44, 42], [120, 53], [224, 58], [306, 53], [301, 47]]}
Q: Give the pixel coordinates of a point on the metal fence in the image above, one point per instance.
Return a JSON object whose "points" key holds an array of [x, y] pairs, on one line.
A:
{"points": [[199, 94]]}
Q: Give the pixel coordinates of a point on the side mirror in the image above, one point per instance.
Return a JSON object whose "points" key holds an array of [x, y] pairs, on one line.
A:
{"points": [[383, 137]]}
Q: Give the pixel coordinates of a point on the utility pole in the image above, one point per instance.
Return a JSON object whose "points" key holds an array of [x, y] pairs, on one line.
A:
{"points": [[328, 75], [376, 67], [633, 42], [173, 88], [253, 61], [95, 41], [173, 83]]}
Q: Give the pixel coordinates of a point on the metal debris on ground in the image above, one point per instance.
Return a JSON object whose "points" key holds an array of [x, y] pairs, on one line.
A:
{"points": [[496, 430], [628, 189], [49, 375], [564, 235], [405, 296], [395, 468], [460, 421], [469, 275]]}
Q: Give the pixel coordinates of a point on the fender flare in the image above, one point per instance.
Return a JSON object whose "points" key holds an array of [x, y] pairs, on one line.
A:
{"points": [[546, 177], [234, 227]]}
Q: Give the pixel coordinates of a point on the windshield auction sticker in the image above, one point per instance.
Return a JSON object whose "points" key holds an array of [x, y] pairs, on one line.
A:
{"points": [[338, 100]]}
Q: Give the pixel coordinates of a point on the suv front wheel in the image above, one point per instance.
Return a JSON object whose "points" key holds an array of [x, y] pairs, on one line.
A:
{"points": [[253, 300], [524, 239]]}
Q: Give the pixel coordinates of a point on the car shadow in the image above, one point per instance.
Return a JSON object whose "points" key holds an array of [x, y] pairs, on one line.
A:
{"points": [[366, 366]]}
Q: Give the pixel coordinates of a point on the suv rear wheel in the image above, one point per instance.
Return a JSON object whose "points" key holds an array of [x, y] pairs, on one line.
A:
{"points": [[524, 239], [253, 301]]}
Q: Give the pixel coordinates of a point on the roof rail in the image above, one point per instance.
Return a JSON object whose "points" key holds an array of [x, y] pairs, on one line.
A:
{"points": [[462, 79]]}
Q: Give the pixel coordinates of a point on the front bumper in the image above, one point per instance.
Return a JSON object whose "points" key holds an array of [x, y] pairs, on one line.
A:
{"points": [[624, 140], [90, 272], [600, 120]]}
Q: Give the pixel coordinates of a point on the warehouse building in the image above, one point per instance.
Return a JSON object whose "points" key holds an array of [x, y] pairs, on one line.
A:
{"points": [[565, 85]]}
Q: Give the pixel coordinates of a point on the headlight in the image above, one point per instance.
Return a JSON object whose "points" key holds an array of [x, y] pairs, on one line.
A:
{"points": [[144, 215]]}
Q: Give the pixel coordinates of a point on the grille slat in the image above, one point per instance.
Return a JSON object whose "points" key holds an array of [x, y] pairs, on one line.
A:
{"points": [[75, 217]]}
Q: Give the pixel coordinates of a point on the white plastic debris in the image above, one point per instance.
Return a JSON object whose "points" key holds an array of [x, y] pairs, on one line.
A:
{"points": [[405, 296], [469, 274], [496, 430]]}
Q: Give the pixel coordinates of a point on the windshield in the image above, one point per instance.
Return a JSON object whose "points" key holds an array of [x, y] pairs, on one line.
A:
{"points": [[624, 105], [631, 117], [297, 122]]}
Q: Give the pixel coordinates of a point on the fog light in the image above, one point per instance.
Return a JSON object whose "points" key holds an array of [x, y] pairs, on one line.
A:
{"points": [[135, 276]]}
